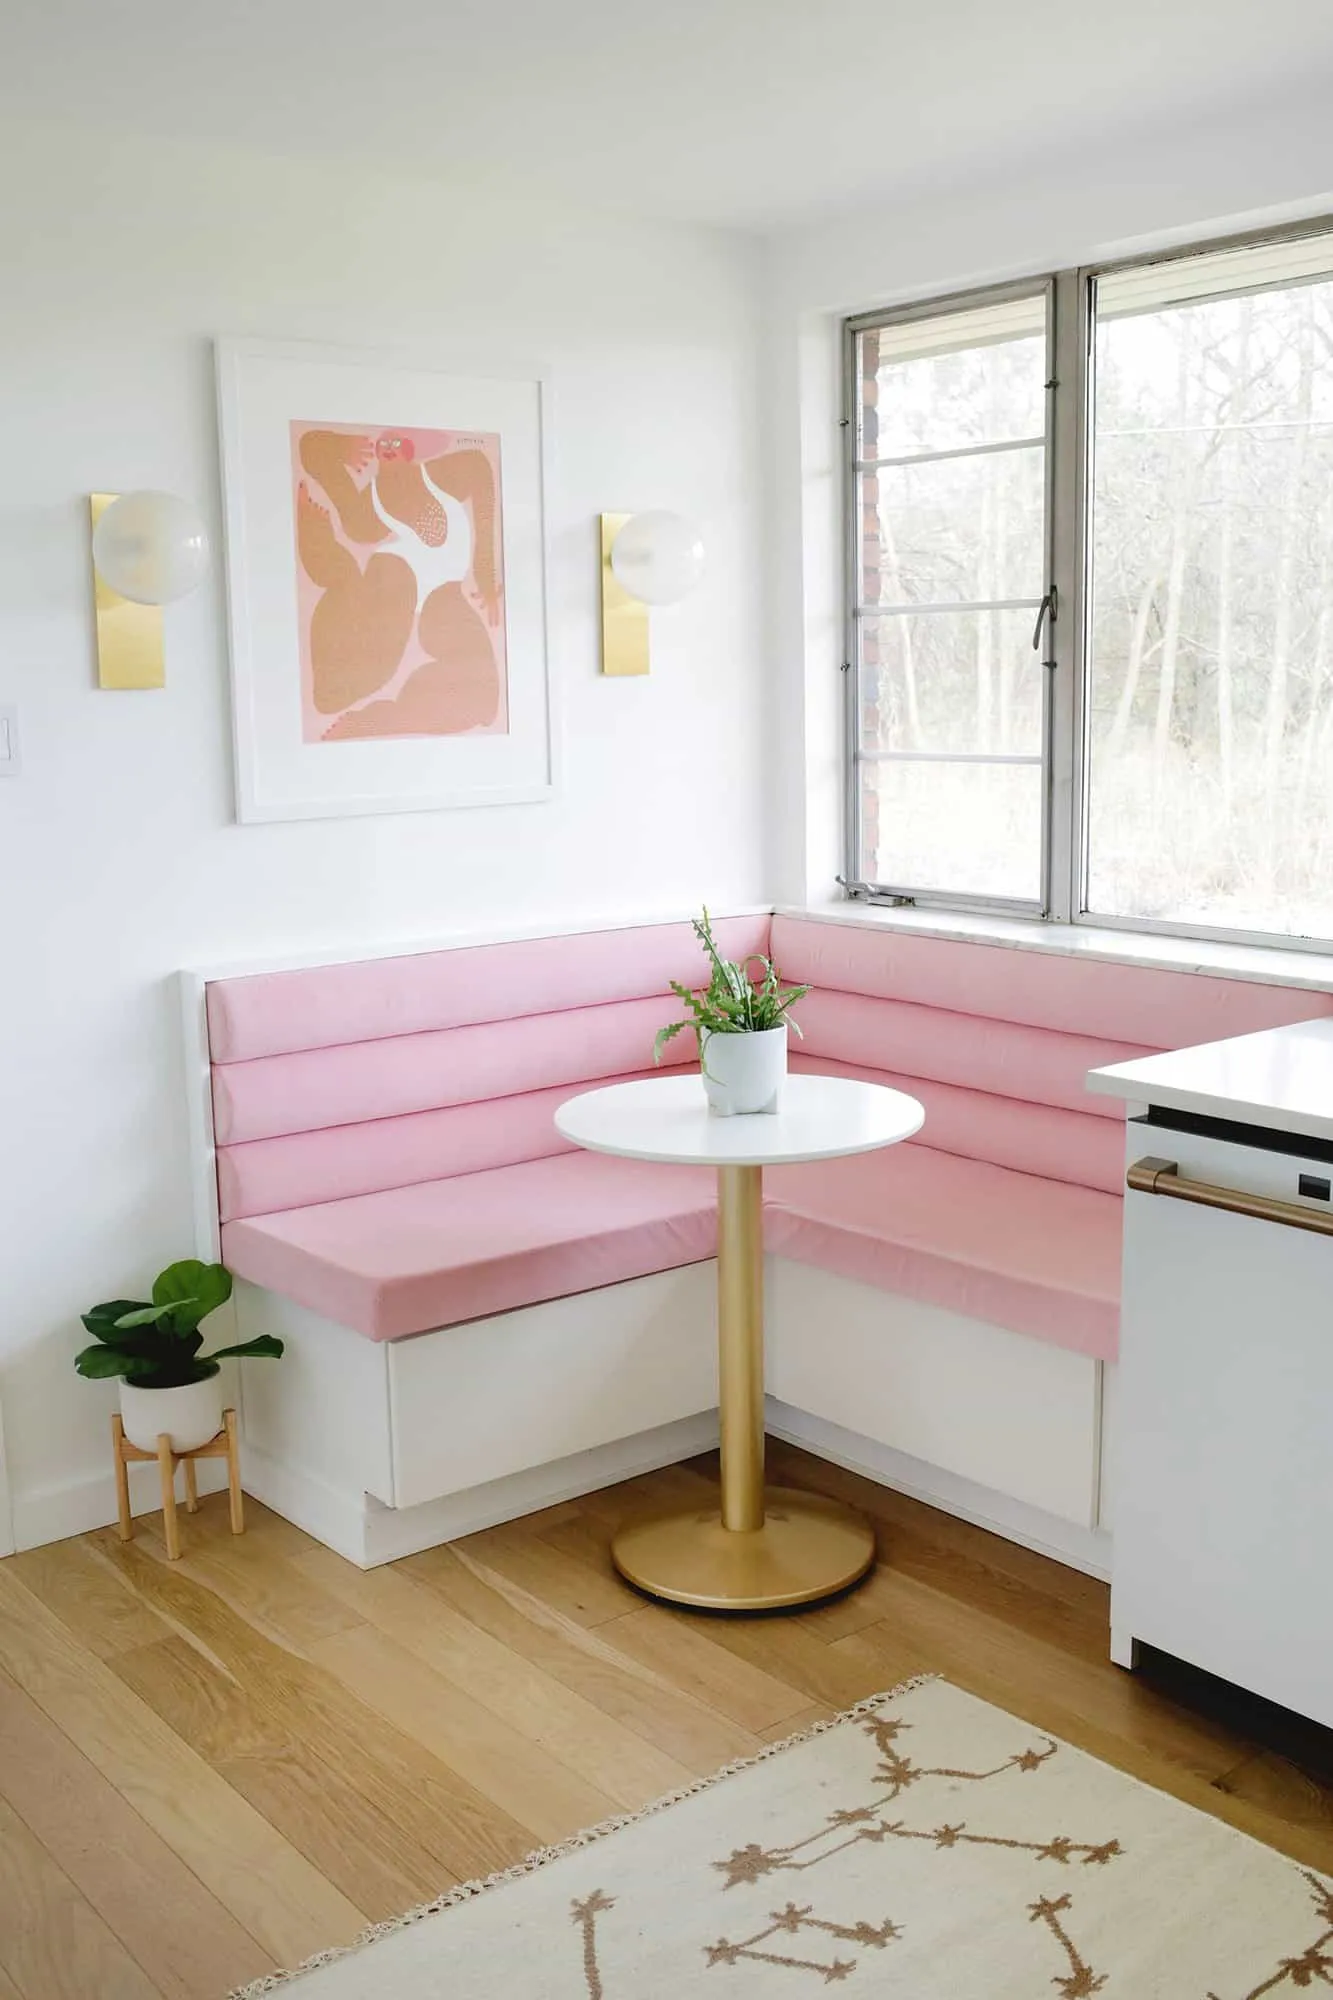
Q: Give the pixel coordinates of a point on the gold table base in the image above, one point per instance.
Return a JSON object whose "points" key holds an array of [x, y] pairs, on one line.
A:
{"points": [[806, 1548], [758, 1550]]}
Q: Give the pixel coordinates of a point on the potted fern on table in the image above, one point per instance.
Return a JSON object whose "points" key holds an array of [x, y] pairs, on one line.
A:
{"points": [[741, 1018]]}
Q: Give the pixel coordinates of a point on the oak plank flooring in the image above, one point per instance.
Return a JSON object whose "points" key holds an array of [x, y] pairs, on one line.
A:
{"points": [[99, 1607], [541, 1795], [644, 1700], [683, 1650], [1279, 1786], [124, 1870], [794, 1725], [288, 1727], [290, 1907], [53, 1944], [347, 1836], [586, 1592], [210, 1767], [270, 1594], [625, 1766]]}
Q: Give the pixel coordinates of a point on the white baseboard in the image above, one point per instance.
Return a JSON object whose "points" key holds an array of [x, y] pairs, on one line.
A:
{"points": [[53, 1513], [1087, 1549], [333, 1516], [371, 1533], [368, 1533]]}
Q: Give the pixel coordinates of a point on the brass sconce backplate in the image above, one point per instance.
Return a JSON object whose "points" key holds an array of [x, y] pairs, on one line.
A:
{"points": [[624, 618], [130, 653]]}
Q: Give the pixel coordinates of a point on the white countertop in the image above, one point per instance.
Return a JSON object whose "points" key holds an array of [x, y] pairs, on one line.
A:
{"points": [[1281, 1078], [667, 1118]]}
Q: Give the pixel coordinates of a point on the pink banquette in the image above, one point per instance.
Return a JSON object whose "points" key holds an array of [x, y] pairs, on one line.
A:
{"points": [[481, 1319]]}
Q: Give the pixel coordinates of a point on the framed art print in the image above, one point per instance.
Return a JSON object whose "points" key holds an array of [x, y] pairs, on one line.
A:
{"points": [[386, 583]]}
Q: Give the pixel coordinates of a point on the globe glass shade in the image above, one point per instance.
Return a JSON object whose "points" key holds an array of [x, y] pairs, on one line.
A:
{"points": [[151, 547], [658, 557]]}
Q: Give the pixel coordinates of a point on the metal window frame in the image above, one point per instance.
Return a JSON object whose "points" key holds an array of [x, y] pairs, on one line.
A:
{"points": [[896, 894], [1071, 333]]}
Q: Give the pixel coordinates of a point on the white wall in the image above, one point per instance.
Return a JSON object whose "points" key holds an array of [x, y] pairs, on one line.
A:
{"points": [[1247, 168], [119, 860]]}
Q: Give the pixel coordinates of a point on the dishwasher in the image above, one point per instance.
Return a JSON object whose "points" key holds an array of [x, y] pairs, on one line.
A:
{"points": [[1222, 1463]]}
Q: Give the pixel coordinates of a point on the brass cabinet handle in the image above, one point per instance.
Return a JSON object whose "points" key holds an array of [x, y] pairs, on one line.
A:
{"points": [[1151, 1176]]}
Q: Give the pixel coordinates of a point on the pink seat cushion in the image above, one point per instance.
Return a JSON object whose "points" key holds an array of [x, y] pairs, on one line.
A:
{"points": [[1038, 1256], [409, 1259], [1009, 1248]]}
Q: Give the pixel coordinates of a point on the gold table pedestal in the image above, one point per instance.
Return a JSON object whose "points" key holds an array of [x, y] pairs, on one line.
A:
{"points": [[758, 1550]]}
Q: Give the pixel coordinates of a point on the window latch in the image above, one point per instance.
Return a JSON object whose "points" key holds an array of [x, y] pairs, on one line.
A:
{"points": [[1047, 612]]}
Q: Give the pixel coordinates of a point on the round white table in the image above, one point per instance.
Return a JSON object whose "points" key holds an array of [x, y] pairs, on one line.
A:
{"points": [[759, 1549]]}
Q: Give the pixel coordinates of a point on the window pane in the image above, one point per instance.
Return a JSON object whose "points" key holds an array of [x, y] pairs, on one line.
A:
{"points": [[966, 525], [956, 530], [956, 380], [1211, 654], [962, 827], [952, 680]]}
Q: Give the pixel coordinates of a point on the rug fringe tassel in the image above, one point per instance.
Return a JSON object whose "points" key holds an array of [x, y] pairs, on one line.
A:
{"points": [[543, 1856]]}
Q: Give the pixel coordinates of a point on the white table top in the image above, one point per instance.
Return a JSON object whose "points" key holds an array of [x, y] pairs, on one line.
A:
{"points": [[667, 1118], [1281, 1078]]}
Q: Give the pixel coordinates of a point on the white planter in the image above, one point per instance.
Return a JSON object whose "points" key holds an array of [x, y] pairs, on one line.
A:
{"points": [[743, 1073], [190, 1415]]}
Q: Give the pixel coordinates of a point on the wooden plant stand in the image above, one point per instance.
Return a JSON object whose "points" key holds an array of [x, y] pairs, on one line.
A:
{"points": [[224, 1445]]}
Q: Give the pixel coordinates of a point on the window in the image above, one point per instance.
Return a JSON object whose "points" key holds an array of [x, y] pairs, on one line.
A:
{"points": [[1090, 570], [951, 568]]}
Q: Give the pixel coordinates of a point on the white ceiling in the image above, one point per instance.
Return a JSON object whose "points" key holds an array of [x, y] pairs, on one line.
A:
{"points": [[741, 112]]}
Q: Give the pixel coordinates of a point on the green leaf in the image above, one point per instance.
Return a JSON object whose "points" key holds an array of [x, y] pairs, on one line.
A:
{"points": [[150, 1316], [100, 1363], [665, 1035], [264, 1346], [102, 1320], [197, 1288]]}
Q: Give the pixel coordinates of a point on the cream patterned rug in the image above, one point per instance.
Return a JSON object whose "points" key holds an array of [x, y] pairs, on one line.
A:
{"points": [[925, 1845]]}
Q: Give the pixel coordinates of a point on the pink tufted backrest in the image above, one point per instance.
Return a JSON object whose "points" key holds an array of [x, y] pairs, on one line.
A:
{"points": [[997, 1042], [347, 1079]]}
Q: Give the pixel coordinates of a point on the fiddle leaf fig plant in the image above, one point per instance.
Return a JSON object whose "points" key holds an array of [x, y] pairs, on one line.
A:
{"points": [[155, 1343], [735, 1001]]}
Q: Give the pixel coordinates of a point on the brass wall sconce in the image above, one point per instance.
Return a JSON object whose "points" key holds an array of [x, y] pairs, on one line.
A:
{"points": [[654, 558], [148, 549]]}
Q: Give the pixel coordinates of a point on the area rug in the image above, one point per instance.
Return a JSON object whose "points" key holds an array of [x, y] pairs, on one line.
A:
{"points": [[925, 1845]]}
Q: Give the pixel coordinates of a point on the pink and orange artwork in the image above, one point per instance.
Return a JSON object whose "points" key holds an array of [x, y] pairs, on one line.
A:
{"points": [[400, 582]]}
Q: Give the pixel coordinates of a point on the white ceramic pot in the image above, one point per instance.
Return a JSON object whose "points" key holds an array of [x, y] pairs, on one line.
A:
{"points": [[743, 1073], [190, 1415]]}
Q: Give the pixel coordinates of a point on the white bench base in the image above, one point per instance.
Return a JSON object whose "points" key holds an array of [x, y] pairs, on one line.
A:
{"points": [[1086, 1549], [1015, 1415], [369, 1533], [382, 1449]]}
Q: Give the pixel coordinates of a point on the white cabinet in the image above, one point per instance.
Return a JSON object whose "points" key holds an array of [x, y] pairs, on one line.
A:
{"points": [[1223, 1474]]}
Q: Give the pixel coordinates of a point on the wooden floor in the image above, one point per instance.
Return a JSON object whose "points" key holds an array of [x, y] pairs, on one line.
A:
{"points": [[226, 1764]]}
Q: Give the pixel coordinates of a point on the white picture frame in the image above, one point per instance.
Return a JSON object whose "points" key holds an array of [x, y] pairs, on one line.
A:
{"points": [[315, 740]]}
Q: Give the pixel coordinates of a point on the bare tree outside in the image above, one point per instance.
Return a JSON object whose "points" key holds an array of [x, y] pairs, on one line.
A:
{"points": [[1211, 699]]}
